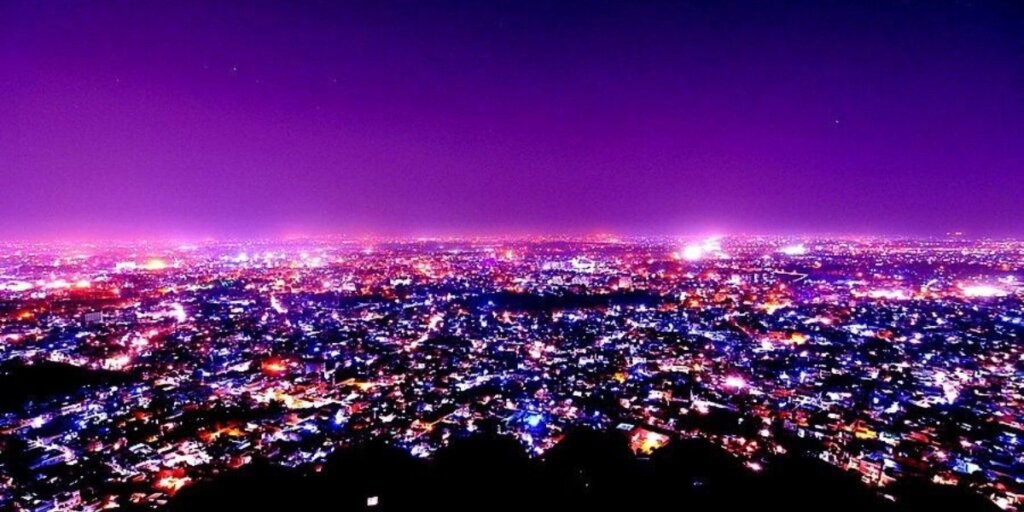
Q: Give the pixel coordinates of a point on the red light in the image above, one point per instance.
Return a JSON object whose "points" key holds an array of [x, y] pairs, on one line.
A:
{"points": [[171, 481], [274, 366]]}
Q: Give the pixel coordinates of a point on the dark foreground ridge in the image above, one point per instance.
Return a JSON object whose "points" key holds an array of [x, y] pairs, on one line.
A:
{"points": [[586, 471], [23, 385]]}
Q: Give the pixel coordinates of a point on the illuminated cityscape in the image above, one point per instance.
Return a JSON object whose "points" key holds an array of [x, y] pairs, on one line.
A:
{"points": [[394, 255], [897, 357]]}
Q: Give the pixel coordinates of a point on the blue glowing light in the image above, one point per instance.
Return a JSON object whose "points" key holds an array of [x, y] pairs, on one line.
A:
{"points": [[534, 420]]}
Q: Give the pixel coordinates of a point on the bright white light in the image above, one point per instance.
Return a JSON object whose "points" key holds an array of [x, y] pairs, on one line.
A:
{"points": [[276, 305], [887, 294], [983, 290], [372, 501], [950, 392], [735, 381], [794, 250], [693, 252], [118, 362], [17, 286], [178, 312], [155, 264]]}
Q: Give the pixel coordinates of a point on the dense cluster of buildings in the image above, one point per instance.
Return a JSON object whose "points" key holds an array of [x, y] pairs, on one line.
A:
{"points": [[887, 357]]}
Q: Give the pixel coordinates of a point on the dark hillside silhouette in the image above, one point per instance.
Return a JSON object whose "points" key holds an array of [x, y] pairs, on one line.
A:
{"points": [[587, 470]]}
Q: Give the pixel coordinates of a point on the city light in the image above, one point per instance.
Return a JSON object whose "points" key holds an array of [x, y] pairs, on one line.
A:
{"points": [[983, 291], [222, 360], [154, 264], [794, 250], [473, 255], [693, 253]]}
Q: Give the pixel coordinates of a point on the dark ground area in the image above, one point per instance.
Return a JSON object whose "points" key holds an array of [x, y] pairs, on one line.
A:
{"points": [[586, 471], [22, 384]]}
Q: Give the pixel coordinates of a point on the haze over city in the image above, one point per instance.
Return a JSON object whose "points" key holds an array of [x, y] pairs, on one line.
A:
{"points": [[193, 119]]}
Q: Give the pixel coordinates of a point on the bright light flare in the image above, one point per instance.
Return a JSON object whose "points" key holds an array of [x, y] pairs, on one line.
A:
{"points": [[155, 264], [57, 284], [17, 286], [711, 247], [178, 312], [794, 250], [982, 291], [893, 294], [274, 366], [693, 253]]}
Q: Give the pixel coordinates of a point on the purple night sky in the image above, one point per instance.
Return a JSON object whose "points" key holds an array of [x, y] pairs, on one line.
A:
{"points": [[181, 118]]}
